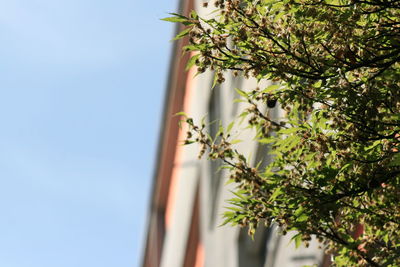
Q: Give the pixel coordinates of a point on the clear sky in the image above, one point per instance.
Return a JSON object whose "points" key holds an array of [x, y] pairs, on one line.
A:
{"points": [[81, 89]]}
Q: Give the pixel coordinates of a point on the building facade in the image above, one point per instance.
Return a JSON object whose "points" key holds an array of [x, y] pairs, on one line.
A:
{"points": [[189, 195]]}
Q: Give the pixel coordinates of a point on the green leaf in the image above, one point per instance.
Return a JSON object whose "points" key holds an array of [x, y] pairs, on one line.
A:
{"points": [[240, 194], [230, 126], [181, 114], [299, 211], [271, 88], [229, 215], [318, 84], [266, 140], [242, 93], [173, 19], [278, 16], [297, 240], [277, 192], [233, 208], [188, 142], [302, 218], [215, 81], [182, 34], [176, 19], [192, 61]]}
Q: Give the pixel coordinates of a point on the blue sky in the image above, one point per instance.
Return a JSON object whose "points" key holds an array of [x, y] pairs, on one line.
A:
{"points": [[81, 88]]}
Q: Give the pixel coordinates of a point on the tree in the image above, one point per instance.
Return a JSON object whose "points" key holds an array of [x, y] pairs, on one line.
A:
{"points": [[336, 153]]}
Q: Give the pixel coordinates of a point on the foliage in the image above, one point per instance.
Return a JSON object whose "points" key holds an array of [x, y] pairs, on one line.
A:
{"points": [[336, 153]]}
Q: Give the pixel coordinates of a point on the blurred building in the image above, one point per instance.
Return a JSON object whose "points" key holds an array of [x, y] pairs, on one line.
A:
{"points": [[189, 195]]}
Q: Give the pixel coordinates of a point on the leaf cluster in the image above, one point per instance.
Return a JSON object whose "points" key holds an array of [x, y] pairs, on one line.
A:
{"points": [[336, 153]]}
